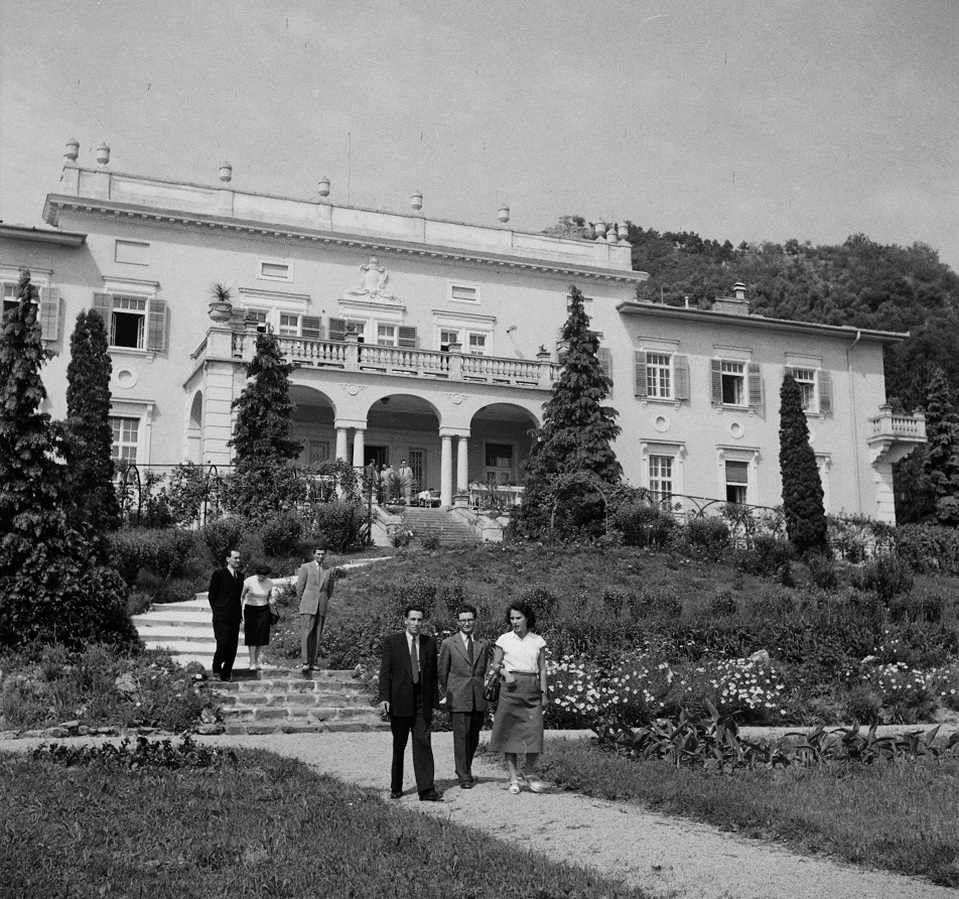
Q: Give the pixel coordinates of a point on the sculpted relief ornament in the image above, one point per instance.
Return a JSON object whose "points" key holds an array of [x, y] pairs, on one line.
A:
{"points": [[373, 281]]}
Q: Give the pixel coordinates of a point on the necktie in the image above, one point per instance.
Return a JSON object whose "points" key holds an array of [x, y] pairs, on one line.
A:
{"points": [[469, 649], [414, 655]]}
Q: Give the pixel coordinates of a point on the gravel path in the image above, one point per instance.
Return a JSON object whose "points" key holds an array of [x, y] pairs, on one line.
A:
{"points": [[666, 857]]}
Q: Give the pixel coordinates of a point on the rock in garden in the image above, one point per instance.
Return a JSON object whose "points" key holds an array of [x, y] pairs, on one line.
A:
{"points": [[209, 730], [759, 656], [57, 732], [126, 683], [70, 725]]}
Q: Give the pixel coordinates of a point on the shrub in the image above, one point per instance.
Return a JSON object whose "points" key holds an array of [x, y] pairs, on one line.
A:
{"points": [[710, 536], [928, 548], [430, 542], [769, 556], [642, 524], [886, 576], [164, 552], [343, 524], [822, 572], [863, 704], [221, 536], [281, 534], [541, 600]]}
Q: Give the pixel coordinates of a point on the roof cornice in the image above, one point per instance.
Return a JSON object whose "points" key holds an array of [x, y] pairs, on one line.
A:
{"points": [[757, 321], [56, 203], [40, 235]]}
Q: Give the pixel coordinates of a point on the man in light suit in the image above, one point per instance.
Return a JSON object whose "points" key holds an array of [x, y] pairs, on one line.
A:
{"points": [[314, 587], [226, 585], [406, 481], [408, 694], [462, 675]]}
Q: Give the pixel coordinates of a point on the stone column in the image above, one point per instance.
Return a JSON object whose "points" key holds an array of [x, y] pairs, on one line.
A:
{"points": [[446, 472], [341, 444], [462, 464], [358, 447]]}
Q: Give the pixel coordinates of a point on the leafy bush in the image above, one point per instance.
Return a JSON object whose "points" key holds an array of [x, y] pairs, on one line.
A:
{"points": [[144, 755], [281, 534], [342, 523], [708, 535], [221, 536], [642, 524], [165, 552], [430, 542], [542, 601], [887, 576], [822, 572], [769, 556], [928, 548]]}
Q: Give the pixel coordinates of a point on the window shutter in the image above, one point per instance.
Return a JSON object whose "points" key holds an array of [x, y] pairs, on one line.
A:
{"points": [[406, 337], [717, 374], [825, 393], [755, 385], [681, 376], [639, 379], [156, 325], [337, 329], [103, 303], [311, 327], [605, 358], [789, 370], [50, 312]]}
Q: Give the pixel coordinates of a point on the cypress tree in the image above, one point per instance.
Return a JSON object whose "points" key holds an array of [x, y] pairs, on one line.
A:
{"points": [[942, 448], [578, 430], [52, 588], [802, 488], [263, 481], [92, 500]]}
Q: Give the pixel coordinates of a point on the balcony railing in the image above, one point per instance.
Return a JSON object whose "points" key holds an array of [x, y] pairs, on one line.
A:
{"points": [[350, 355], [899, 426]]}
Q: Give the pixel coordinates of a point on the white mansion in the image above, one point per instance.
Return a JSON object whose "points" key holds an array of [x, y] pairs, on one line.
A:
{"points": [[431, 341]]}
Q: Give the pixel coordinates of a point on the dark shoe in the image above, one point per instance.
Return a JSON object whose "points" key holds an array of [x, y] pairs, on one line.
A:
{"points": [[226, 678], [431, 796], [396, 794], [466, 785]]}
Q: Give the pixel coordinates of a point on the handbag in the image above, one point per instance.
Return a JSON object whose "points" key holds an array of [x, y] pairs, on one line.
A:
{"points": [[274, 615], [491, 690]]}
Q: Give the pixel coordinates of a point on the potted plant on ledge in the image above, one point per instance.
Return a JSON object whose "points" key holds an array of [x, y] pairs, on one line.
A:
{"points": [[221, 309]]}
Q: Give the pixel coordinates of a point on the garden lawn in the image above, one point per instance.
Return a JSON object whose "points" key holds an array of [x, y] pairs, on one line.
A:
{"points": [[266, 827], [895, 816]]}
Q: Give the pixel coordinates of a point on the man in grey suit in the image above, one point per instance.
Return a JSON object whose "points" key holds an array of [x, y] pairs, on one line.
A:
{"points": [[314, 587], [462, 674]]}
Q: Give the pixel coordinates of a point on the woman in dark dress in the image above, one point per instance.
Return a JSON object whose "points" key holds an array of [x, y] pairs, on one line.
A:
{"points": [[256, 599]]}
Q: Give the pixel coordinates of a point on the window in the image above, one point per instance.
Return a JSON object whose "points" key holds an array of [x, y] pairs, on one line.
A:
{"points": [[499, 462], [477, 344], [255, 316], [9, 297], [132, 252], [733, 383], [815, 388], [133, 322], [417, 460], [319, 451], [464, 293], [446, 338], [386, 335], [126, 438], [737, 482], [659, 376], [275, 271], [49, 307], [340, 327], [661, 476]]}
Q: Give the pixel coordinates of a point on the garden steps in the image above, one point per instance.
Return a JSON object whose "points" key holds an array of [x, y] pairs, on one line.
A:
{"points": [[284, 701], [183, 629], [449, 529]]}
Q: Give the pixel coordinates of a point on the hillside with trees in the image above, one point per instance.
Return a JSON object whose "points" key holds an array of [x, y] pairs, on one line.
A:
{"points": [[859, 282]]}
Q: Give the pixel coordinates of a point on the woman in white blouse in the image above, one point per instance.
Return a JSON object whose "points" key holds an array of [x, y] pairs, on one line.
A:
{"points": [[256, 601], [519, 660]]}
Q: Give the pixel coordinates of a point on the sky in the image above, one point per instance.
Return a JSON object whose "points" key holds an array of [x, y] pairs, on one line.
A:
{"points": [[743, 120]]}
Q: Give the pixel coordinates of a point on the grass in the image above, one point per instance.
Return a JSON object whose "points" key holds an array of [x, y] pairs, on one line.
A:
{"points": [[265, 827], [899, 817]]}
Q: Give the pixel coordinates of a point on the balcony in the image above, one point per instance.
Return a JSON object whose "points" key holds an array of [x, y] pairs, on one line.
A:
{"points": [[352, 356], [894, 435]]}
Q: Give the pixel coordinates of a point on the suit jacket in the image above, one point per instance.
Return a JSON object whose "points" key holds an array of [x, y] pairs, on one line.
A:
{"points": [[461, 681], [314, 587], [396, 676], [224, 595]]}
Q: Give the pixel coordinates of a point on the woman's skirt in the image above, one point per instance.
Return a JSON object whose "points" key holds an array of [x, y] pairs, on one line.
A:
{"points": [[518, 723], [256, 625]]}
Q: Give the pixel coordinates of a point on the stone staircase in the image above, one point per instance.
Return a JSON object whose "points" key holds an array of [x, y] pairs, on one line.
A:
{"points": [[450, 529], [272, 700]]}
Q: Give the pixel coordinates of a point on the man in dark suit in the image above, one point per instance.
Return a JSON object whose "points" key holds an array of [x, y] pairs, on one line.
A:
{"points": [[226, 585], [462, 675], [408, 695]]}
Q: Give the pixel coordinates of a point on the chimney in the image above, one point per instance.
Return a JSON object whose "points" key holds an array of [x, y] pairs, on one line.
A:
{"points": [[737, 304]]}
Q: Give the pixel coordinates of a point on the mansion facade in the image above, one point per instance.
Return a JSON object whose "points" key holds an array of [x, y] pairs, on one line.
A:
{"points": [[432, 341]]}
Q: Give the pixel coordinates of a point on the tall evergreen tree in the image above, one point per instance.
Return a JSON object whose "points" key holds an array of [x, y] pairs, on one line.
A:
{"points": [[802, 488], [942, 448], [52, 588], [92, 500], [578, 430], [263, 480]]}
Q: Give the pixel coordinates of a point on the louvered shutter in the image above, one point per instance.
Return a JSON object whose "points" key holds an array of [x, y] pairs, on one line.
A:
{"points": [[605, 358], [639, 377], [825, 393], [50, 312], [755, 385], [717, 382], [311, 327], [156, 325], [337, 329], [406, 337], [681, 376]]}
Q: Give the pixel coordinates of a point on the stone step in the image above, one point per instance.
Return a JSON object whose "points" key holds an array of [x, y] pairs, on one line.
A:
{"points": [[177, 633], [336, 725]]}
